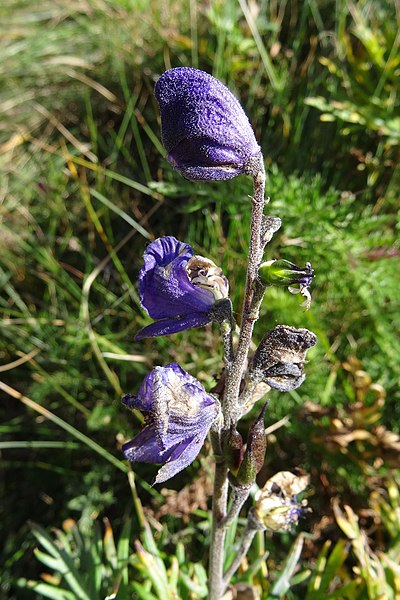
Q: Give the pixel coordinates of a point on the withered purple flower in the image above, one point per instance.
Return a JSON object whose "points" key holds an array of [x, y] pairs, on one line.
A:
{"points": [[178, 413], [277, 508], [280, 357], [177, 288], [203, 127]]}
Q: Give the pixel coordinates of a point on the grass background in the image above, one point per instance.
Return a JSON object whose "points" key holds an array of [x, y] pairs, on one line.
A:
{"points": [[84, 186]]}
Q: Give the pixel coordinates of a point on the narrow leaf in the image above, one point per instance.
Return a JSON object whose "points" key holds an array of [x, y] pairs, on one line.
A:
{"points": [[282, 585], [48, 591]]}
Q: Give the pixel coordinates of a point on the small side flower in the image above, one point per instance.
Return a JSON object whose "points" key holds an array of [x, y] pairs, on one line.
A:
{"points": [[178, 289], [285, 273], [277, 507], [203, 127], [178, 414]]}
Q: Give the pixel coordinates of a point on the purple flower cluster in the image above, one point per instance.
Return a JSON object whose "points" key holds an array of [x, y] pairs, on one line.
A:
{"points": [[204, 129], [208, 137], [178, 413], [179, 290]]}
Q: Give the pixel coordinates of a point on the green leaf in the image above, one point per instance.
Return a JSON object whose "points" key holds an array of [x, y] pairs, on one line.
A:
{"points": [[335, 561], [109, 545], [153, 568], [67, 568], [199, 590], [53, 563], [142, 593], [45, 540], [91, 560], [123, 550], [282, 585], [48, 591]]}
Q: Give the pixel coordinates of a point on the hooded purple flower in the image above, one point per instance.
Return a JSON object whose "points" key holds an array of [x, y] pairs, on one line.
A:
{"points": [[178, 289], [178, 414], [203, 127]]}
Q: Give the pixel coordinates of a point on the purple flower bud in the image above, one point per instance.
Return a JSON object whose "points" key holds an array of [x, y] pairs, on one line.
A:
{"points": [[178, 414], [178, 289], [203, 127]]}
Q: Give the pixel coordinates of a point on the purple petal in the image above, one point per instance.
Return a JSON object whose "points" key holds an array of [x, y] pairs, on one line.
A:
{"points": [[132, 402], [164, 286], [144, 447], [181, 406], [217, 162], [173, 325], [182, 456]]}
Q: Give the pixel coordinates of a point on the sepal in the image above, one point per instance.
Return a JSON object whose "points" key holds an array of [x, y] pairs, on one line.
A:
{"points": [[254, 455]]}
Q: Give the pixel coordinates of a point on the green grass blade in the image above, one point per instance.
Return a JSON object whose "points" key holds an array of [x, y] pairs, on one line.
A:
{"points": [[40, 444], [333, 565], [123, 550], [198, 589], [66, 566], [110, 549], [269, 68], [282, 585], [66, 426], [46, 590], [121, 213], [142, 593], [53, 563]]}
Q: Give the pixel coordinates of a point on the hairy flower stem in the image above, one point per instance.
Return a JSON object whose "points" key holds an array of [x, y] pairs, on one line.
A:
{"points": [[250, 312], [247, 538], [234, 371], [239, 497], [226, 332], [216, 566]]}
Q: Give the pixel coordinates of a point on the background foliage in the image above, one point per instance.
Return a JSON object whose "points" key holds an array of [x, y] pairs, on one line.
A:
{"points": [[84, 186]]}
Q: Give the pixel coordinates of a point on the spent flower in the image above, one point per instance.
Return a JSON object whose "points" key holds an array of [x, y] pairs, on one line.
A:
{"points": [[178, 415], [178, 289], [277, 507], [280, 357], [203, 127]]}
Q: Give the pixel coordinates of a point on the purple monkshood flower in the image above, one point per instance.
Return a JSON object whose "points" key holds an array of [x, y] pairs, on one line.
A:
{"points": [[178, 413], [178, 289], [203, 127]]}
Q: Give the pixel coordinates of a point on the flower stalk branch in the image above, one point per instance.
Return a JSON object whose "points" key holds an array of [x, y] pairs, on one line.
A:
{"points": [[245, 543], [239, 497]]}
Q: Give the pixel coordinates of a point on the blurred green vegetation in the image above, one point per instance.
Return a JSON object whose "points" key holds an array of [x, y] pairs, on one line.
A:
{"points": [[84, 186]]}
